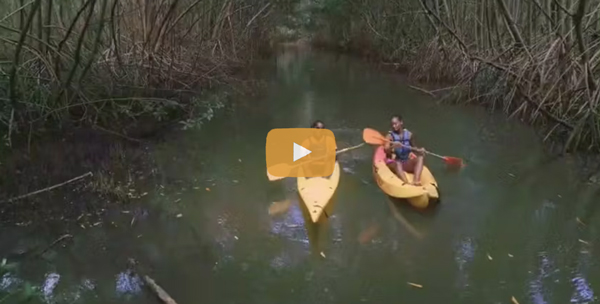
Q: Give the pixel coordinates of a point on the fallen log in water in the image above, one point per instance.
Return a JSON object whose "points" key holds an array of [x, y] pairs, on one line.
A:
{"points": [[152, 285]]}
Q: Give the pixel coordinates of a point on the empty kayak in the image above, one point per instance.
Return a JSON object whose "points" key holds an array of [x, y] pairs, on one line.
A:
{"points": [[392, 185], [316, 192]]}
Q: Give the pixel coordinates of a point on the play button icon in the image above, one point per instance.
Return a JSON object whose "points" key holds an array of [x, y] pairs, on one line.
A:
{"points": [[300, 152], [287, 152]]}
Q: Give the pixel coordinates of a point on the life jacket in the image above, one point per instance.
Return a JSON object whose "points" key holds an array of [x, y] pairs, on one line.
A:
{"points": [[402, 153], [318, 148]]}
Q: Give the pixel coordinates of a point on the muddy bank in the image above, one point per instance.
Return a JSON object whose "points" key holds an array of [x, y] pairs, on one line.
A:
{"points": [[115, 166], [90, 168]]}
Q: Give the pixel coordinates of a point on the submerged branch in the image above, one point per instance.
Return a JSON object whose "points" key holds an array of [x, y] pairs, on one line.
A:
{"points": [[156, 289], [47, 189]]}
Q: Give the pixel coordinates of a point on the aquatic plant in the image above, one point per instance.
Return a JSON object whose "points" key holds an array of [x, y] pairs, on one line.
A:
{"points": [[536, 59], [15, 290]]}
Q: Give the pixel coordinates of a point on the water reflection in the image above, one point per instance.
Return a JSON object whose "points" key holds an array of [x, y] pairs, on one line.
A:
{"points": [[9, 282], [537, 290], [583, 292], [464, 254], [49, 285], [307, 116], [225, 238], [291, 226], [290, 62], [335, 223], [128, 284]]}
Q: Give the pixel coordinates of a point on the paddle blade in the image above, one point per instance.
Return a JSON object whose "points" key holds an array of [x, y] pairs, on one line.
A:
{"points": [[278, 168], [273, 177], [373, 137], [454, 162]]}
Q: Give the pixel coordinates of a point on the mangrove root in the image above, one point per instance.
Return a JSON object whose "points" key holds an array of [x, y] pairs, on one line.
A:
{"points": [[161, 293], [158, 291], [46, 189], [58, 240], [422, 90]]}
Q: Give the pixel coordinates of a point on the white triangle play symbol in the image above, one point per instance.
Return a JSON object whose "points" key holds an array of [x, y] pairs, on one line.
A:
{"points": [[300, 151]]}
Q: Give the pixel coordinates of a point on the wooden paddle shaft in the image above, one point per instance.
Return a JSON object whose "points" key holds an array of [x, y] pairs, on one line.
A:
{"points": [[427, 152], [348, 149]]}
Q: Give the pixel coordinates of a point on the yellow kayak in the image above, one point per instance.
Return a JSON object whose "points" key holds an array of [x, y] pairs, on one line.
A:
{"points": [[392, 185], [316, 192]]}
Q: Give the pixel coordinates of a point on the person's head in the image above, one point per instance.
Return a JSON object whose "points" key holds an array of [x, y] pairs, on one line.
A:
{"points": [[318, 125], [397, 123]]}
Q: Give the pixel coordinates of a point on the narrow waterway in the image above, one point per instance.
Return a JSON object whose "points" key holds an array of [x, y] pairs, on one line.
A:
{"points": [[514, 222]]}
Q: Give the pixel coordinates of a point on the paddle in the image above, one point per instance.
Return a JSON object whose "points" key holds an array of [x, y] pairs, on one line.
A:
{"points": [[286, 167], [373, 137]]}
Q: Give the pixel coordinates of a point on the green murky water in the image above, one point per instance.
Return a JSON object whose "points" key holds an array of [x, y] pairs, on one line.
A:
{"points": [[506, 225]]}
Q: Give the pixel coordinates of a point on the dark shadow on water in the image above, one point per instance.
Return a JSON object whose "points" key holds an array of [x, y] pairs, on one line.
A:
{"points": [[405, 207], [398, 209], [317, 232]]}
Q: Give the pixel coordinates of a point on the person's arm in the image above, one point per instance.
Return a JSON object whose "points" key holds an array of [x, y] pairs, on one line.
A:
{"points": [[414, 147], [389, 146], [336, 149]]}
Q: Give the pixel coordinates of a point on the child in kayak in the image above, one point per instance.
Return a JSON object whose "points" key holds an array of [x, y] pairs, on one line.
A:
{"points": [[318, 124], [398, 152], [319, 145]]}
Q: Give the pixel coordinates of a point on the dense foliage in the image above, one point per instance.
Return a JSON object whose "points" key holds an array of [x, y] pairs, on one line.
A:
{"points": [[538, 59], [97, 60]]}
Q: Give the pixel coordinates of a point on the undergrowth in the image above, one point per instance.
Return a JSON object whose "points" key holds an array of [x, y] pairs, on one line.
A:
{"points": [[111, 62]]}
